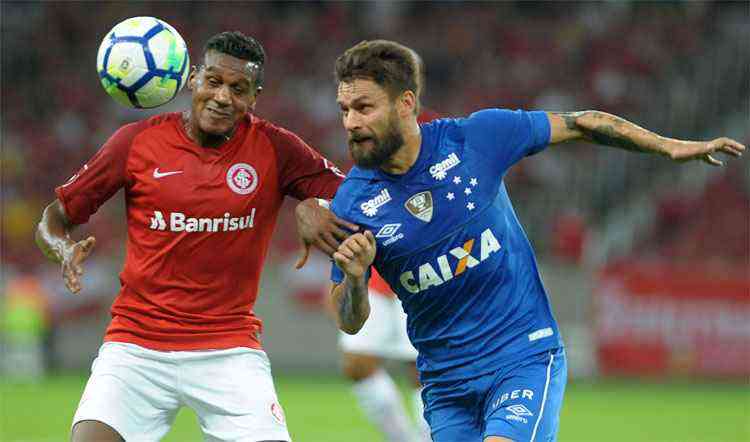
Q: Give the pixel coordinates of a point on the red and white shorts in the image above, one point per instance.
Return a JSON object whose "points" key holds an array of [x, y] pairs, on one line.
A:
{"points": [[138, 392]]}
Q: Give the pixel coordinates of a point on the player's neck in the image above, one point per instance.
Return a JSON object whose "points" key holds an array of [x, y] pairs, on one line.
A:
{"points": [[201, 138], [407, 154]]}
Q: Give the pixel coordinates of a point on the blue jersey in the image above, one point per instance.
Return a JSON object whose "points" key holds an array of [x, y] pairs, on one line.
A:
{"points": [[451, 247]]}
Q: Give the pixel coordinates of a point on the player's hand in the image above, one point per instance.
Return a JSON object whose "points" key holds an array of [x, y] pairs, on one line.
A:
{"points": [[355, 254], [72, 261], [705, 151], [319, 227]]}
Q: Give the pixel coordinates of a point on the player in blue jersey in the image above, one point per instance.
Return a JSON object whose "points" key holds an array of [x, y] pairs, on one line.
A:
{"points": [[436, 222]]}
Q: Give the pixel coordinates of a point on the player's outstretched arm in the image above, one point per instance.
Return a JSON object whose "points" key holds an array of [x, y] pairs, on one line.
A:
{"points": [[611, 130], [350, 300], [53, 239]]}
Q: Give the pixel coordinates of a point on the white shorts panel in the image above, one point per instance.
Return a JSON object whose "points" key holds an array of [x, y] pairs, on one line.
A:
{"points": [[384, 334], [134, 395], [138, 392], [234, 396]]}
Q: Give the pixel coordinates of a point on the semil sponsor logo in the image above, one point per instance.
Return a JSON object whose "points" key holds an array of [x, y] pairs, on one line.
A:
{"points": [[370, 207], [438, 171]]}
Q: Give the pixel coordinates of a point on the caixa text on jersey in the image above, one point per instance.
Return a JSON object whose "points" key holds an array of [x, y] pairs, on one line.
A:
{"points": [[179, 222]]}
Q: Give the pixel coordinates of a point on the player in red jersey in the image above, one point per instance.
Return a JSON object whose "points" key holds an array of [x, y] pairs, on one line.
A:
{"points": [[202, 190]]}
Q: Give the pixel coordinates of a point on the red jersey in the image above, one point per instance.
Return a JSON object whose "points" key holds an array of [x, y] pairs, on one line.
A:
{"points": [[199, 225]]}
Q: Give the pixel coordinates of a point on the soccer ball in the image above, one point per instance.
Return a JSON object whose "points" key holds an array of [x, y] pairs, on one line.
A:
{"points": [[142, 62]]}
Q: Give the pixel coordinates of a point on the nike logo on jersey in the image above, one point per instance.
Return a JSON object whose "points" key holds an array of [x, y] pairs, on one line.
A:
{"points": [[158, 174], [427, 276]]}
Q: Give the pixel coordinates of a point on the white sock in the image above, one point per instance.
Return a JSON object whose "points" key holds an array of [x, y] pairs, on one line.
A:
{"points": [[422, 428], [380, 400]]}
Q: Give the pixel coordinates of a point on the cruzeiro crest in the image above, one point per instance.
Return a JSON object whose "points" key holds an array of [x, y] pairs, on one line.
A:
{"points": [[420, 205]]}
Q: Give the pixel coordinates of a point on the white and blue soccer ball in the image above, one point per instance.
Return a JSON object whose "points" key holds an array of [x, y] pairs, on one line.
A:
{"points": [[143, 62]]}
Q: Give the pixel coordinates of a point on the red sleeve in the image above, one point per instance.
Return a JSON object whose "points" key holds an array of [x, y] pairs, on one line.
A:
{"points": [[427, 115], [100, 178], [303, 172]]}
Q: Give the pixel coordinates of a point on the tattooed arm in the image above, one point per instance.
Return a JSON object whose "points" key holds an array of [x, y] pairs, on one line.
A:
{"points": [[351, 304], [610, 130]]}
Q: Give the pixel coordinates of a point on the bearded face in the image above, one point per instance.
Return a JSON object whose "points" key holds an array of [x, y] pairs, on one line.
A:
{"points": [[371, 148]]}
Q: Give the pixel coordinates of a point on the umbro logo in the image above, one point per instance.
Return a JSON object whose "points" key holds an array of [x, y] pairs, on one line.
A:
{"points": [[158, 174], [519, 410], [389, 231]]}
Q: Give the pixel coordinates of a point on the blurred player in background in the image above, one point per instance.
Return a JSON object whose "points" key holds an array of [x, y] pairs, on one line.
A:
{"points": [[383, 337], [439, 227], [203, 189]]}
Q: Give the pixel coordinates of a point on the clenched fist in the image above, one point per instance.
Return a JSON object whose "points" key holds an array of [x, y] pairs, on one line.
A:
{"points": [[355, 254]]}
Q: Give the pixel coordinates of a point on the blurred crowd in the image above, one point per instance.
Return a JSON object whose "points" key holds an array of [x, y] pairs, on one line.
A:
{"points": [[680, 69]]}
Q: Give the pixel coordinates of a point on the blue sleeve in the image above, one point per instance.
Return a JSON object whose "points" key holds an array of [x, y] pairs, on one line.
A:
{"points": [[506, 136], [339, 207], [337, 275]]}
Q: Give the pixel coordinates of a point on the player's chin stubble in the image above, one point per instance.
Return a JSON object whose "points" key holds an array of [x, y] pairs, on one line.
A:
{"points": [[382, 150]]}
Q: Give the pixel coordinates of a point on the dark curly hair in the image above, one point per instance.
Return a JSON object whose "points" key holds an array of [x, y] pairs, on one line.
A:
{"points": [[239, 45], [391, 65]]}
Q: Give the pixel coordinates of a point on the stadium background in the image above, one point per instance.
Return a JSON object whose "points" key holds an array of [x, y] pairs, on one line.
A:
{"points": [[646, 262]]}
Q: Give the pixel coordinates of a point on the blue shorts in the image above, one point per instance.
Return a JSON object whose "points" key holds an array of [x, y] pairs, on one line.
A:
{"points": [[521, 403]]}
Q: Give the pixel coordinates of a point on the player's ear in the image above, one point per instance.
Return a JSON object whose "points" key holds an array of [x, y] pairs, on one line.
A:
{"points": [[407, 103], [254, 98], [192, 78]]}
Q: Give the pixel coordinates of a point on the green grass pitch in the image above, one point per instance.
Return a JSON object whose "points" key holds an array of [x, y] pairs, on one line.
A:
{"points": [[321, 409]]}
